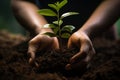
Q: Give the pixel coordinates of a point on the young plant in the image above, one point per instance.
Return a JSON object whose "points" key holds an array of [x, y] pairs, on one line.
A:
{"points": [[56, 26]]}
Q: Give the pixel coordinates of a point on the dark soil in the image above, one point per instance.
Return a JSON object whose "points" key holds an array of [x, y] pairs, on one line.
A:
{"points": [[14, 61]]}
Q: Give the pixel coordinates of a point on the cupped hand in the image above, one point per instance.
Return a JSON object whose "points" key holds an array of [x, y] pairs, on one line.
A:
{"points": [[82, 58], [40, 42]]}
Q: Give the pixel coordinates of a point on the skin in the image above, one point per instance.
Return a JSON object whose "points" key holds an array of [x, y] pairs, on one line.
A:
{"points": [[25, 13], [102, 18]]}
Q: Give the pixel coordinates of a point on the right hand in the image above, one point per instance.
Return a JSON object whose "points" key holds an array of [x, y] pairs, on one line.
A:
{"points": [[40, 42], [86, 51]]}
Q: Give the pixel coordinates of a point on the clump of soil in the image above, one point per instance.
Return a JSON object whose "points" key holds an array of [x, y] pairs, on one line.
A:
{"points": [[14, 61]]}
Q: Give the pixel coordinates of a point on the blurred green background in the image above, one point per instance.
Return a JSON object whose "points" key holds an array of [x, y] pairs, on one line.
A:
{"points": [[8, 21], [118, 27]]}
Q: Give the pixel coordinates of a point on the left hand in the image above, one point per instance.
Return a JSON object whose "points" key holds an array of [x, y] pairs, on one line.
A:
{"points": [[86, 51], [41, 42]]}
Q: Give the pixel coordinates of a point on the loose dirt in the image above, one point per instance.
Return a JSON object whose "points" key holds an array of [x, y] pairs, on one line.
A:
{"points": [[14, 61]]}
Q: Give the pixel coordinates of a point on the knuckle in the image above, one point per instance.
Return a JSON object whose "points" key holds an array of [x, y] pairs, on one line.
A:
{"points": [[32, 42], [29, 53], [84, 52], [94, 52]]}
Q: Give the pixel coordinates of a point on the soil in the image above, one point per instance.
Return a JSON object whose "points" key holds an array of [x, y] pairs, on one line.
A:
{"points": [[14, 61]]}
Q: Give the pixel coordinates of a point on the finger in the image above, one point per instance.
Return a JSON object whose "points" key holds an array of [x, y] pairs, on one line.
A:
{"points": [[69, 43], [33, 44], [55, 44], [81, 65], [73, 43], [31, 58], [83, 50], [31, 55], [32, 50], [90, 55], [46, 42], [33, 63], [68, 67], [78, 57]]}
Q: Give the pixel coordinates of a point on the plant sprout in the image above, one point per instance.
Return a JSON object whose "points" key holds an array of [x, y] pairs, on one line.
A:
{"points": [[54, 11]]}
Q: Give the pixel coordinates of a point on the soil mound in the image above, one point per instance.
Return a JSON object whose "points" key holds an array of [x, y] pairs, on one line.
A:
{"points": [[14, 61]]}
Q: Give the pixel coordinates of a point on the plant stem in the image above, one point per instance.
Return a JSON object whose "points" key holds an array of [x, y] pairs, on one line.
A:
{"points": [[60, 43], [59, 32]]}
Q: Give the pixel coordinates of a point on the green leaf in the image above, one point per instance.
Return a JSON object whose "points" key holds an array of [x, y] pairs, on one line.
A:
{"points": [[53, 6], [68, 14], [57, 4], [50, 34], [47, 12], [49, 26], [56, 29], [56, 22], [62, 3], [65, 35], [52, 26], [68, 28]]}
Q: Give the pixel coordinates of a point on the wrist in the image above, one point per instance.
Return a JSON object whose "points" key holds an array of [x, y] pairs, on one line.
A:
{"points": [[38, 30], [88, 32], [44, 30], [83, 34]]}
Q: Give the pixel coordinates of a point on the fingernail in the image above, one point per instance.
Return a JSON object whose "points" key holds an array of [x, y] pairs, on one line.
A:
{"points": [[68, 67], [36, 64]]}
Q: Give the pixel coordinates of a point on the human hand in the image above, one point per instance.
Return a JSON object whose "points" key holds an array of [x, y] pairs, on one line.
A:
{"points": [[86, 51], [40, 42]]}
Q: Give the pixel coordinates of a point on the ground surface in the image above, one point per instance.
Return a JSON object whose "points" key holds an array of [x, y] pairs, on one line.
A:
{"points": [[14, 61]]}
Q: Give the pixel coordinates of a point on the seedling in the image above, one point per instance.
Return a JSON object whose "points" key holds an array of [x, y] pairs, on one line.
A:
{"points": [[56, 26]]}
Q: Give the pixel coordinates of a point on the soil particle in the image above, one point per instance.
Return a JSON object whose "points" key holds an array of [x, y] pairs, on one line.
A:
{"points": [[14, 61]]}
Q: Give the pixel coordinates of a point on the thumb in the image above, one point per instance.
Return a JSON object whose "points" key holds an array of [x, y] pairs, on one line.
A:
{"points": [[31, 55], [70, 44], [55, 44], [31, 51]]}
